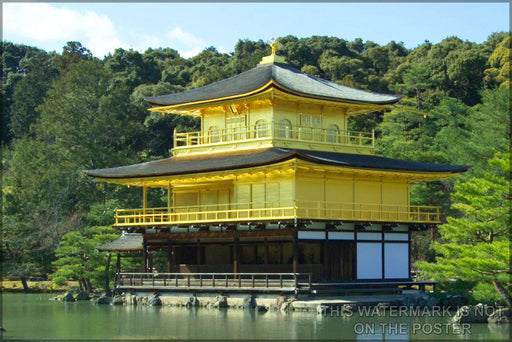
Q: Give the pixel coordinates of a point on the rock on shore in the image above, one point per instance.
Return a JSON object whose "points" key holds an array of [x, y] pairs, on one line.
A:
{"points": [[500, 316]]}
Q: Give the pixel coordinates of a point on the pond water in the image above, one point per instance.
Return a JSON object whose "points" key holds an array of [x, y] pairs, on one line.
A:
{"points": [[33, 316]]}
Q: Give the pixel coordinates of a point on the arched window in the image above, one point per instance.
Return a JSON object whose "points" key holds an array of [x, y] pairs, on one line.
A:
{"points": [[285, 129], [260, 129], [214, 135], [333, 133]]}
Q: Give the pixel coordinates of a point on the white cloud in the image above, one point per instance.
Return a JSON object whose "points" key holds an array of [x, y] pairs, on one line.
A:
{"points": [[41, 22], [52, 25], [178, 36], [186, 43]]}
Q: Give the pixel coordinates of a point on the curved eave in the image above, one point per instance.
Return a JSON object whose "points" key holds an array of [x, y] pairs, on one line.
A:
{"points": [[413, 176], [226, 164], [127, 178], [156, 180], [187, 107]]}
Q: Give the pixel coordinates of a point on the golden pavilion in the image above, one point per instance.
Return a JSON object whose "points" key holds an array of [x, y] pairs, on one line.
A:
{"points": [[274, 192]]}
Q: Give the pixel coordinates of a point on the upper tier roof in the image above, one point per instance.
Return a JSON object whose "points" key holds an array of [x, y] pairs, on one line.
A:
{"points": [[242, 159], [281, 76]]}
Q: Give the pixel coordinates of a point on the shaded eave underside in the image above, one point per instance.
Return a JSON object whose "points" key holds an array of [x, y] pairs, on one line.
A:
{"points": [[177, 166]]}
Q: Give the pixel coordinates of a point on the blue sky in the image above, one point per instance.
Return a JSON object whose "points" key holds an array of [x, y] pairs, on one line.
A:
{"points": [[191, 27]]}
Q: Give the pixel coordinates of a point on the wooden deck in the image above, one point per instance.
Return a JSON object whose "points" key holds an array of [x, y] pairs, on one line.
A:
{"points": [[286, 283], [208, 282]]}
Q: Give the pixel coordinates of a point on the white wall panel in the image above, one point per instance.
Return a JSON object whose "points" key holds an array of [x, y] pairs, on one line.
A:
{"points": [[311, 235], [396, 260], [369, 260], [341, 235], [396, 237], [369, 236]]}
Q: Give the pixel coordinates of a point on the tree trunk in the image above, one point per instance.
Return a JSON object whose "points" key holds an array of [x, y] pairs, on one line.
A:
{"points": [[25, 284], [81, 285], [108, 292], [503, 293], [88, 285]]}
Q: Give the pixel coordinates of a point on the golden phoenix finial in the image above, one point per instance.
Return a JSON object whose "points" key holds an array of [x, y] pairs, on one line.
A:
{"points": [[274, 45]]}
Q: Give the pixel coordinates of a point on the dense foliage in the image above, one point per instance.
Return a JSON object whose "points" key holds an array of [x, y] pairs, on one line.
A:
{"points": [[63, 113], [476, 245]]}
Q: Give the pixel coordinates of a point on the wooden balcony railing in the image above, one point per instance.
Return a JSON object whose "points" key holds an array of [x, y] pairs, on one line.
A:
{"points": [[266, 131], [217, 281], [272, 211]]}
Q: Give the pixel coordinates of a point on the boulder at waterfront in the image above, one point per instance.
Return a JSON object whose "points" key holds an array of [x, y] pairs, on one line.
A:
{"points": [[118, 300], [249, 302], [193, 302], [83, 296], [500, 316], [261, 308], [154, 301], [104, 300], [220, 302], [472, 314], [68, 297]]}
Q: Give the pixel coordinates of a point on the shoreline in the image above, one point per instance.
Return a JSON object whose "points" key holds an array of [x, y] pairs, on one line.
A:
{"points": [[39, 286]]}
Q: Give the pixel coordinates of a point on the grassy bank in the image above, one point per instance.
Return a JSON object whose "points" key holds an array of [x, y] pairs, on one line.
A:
{"points": [[38, 286]]}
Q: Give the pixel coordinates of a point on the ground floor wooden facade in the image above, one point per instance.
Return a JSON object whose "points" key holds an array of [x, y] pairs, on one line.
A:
{"points": [[328, 252]]}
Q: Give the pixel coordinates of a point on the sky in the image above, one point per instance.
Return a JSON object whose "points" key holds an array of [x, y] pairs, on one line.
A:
{"points": [[192, 27]]}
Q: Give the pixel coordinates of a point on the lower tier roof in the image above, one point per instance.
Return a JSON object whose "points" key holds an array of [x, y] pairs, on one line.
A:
{"points": [[125, 243], [251, 158]]}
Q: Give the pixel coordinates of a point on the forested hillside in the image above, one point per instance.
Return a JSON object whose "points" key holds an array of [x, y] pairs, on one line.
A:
{"points": [[66, 112]]}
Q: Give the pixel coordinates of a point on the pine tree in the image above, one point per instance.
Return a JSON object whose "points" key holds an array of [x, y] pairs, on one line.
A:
{"points": [[476, 246]]}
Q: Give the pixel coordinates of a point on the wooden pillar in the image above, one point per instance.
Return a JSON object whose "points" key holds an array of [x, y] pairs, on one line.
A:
{"points": [[255, 253], [327, 269], [236, 253], [173, 258], [295, 246], [144, 197], [144, 202], [169, 195], [169, 256], [198, 255], [281, 261], [150, 262], [265, 254], [107, 278], [144, 255], [118, 263]]}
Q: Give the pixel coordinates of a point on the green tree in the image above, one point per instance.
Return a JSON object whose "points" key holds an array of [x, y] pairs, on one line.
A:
{"points": [[498, 72], [73, 53], [38, 206], [78, 258], [490, 128], [29, 92], [476, 246], [12, 73]]}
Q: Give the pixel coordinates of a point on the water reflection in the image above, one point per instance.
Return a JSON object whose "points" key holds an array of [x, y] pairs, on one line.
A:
{"points": [[34, 317]]}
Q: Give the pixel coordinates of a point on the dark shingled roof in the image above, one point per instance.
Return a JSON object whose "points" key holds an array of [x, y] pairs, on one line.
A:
{"points": [[125, 243], [244, 159], [285, 76]]}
